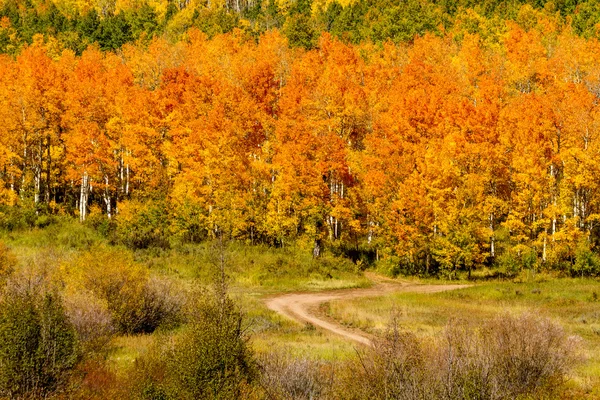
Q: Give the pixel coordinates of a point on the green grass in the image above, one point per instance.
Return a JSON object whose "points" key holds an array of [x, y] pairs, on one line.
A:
{"points": [[250, 268], [573, 303], [259, 269], [256, 271]]}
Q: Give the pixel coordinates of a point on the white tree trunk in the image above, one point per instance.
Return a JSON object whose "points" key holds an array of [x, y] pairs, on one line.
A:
{"points": [[492, 238], [544, 249], [107, 198], [127, 179], [83, 196], [37, 181]]}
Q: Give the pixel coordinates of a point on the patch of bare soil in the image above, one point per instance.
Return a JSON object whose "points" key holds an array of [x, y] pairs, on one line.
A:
{"points": [[304, 307]]}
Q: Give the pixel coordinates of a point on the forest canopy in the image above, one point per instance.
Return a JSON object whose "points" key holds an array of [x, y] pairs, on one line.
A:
{"points": [[434, 136], [75, 24]]}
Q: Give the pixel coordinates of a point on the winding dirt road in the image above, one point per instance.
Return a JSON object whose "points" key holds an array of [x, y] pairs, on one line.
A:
{"points": [[304, 307]]}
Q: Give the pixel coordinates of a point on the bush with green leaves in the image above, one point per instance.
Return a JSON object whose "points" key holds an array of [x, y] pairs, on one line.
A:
{"points": [[210, 359], [587, 263], [136, 301], [141, 225], [38, 344], [213, 359]]}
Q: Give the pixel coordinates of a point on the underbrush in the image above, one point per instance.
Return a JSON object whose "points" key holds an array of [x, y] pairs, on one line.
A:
{"points": [[142, 321], [570, 302], [262, 268], [504, 358], [507, 357]]}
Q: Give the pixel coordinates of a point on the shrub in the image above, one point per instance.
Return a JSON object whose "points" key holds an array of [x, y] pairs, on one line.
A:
{"points": [[38, 346], [508, 358], [16, 217], [100, 221], [210, 359], [396, 367], [284, 376], [527, 354], [587, 263], [142, 225], [91, 319], [213, 360], [137, 303], [162, 304]]}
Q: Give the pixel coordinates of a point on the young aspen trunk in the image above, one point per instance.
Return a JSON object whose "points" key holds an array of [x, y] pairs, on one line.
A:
{"points": [[36, 184], [317, 249], [492, 238], [127, 180], [107, 197], [121, 173], [544, 248], [38, 175], [24, 169], [553, 173], [48, 171], [83, 197], [336, 228]]}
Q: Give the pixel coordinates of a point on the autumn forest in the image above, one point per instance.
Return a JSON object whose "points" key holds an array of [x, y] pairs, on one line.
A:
{"points": [[471, 147], [298, 200]]}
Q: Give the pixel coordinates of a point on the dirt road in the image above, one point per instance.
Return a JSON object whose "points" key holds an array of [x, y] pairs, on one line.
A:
{"points": [[304, 307]]}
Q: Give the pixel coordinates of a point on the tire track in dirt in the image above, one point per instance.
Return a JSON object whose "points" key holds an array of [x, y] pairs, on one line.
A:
{"points": [[304, 307]]}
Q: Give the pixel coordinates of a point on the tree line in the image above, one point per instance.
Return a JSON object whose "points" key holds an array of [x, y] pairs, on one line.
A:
{"points": [[449, 153], [75, 24]]}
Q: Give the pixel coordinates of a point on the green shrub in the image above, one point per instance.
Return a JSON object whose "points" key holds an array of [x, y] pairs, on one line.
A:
{"points": [[100, 222], [137, 302], [213, 360], [15, 217], [142, 225], [38, 345], [210, 359], [587, 263]]}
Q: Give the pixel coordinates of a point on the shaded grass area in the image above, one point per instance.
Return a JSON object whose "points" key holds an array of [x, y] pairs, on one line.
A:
{"points": [[261, 269], [573, 303]]}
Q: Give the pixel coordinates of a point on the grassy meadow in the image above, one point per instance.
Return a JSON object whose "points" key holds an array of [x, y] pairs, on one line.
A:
{"points": [[573, 303], [255, 272]]}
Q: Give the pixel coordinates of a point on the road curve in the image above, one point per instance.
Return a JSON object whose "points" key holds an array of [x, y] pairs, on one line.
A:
{"points": [[303, 307]]}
